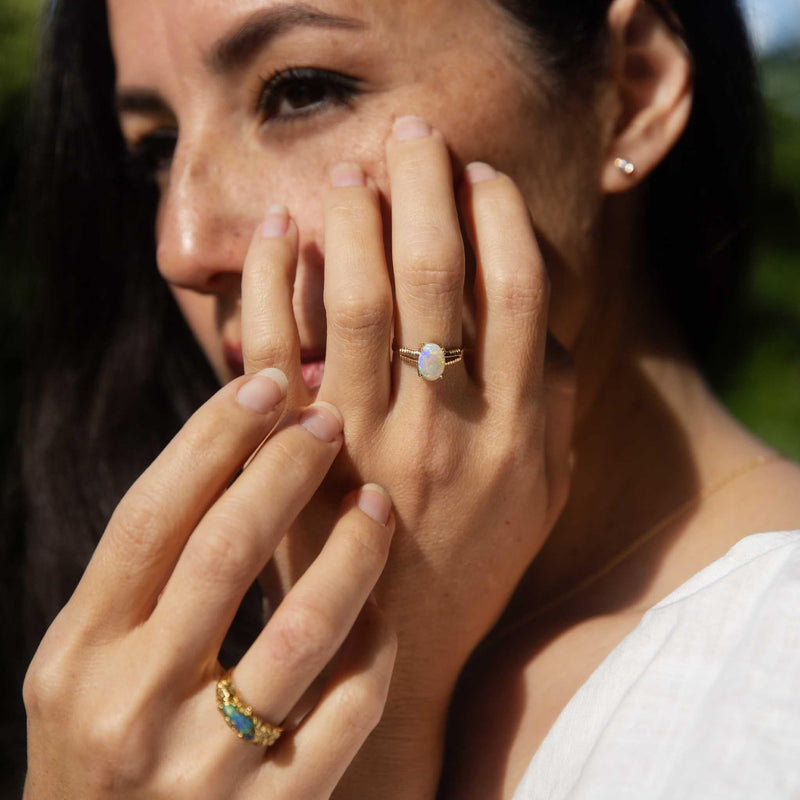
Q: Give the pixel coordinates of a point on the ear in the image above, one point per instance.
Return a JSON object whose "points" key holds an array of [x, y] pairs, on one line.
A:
{"points": [[651, 76]]}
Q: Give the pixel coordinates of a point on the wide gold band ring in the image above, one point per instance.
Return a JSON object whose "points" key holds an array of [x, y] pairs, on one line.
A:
{"points": [[241, 718], [431, 359]]}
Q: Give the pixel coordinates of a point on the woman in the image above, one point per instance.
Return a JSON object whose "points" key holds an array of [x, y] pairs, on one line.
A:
{"points": [[337, 185]]}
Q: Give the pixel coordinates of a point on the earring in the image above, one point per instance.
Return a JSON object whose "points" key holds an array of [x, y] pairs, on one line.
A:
{"points": [[624, 166]]}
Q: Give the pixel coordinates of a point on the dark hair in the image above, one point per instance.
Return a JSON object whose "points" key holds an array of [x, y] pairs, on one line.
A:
{"points": [[700, 203], [114, 371]]}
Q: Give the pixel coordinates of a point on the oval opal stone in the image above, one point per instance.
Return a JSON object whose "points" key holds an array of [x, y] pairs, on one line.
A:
{"points": [[243, 724], [431, 362]]}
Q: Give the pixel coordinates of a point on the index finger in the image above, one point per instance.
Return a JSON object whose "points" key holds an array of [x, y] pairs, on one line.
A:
{"points": [[151, 524]]}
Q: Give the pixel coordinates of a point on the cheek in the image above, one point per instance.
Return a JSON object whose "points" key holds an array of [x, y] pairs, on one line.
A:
{"points": [[303, 179]]}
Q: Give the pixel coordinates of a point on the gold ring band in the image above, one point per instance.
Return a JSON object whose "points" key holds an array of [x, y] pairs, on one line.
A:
{"points": [[431, 359], [241, 718]]}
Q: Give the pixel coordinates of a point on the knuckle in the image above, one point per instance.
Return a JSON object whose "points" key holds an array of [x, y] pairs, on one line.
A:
{"points": [[43, 688], [361, 703], [225, 554], [368, 545], [434, 265], [508, 460], [433, 463], [140, 529], [293, 464], [115, 754], [520, 287], [269, 348], [302, 635], [47, 685], [205, 431], [359, 314], [135, 519]]}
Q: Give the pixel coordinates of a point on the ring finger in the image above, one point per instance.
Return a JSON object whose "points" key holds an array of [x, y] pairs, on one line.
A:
{"points": [[314, 619], [427, 248]]}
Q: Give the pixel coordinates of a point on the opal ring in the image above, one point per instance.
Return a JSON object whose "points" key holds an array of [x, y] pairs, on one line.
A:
{"points": [[240, 717], [431, 359]]}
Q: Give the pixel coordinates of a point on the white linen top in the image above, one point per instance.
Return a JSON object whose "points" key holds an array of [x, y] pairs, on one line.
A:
{"points": [[701, 701]]}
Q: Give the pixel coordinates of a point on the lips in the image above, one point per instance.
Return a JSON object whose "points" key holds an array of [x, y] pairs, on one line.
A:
{"points": [[312, 366], [312, 374], [312, 363]]}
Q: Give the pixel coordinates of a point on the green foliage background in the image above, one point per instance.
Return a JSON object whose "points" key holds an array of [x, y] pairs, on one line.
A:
{"points": [[763, 386], [763, 389], [17, 31]]}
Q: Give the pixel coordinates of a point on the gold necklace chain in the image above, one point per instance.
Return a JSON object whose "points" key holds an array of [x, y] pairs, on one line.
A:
{"points": [[664, 522]]}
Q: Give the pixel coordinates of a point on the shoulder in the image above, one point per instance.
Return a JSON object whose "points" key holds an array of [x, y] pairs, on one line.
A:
{"points": [[701, 700], [758, 568]]}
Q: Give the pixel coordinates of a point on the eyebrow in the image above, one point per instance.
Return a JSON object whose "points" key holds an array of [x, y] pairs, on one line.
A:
{"points": [[236, 49], [143, 101]]}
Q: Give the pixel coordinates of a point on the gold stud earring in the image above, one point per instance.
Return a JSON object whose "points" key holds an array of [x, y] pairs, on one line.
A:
{"points": [[624, 166]]}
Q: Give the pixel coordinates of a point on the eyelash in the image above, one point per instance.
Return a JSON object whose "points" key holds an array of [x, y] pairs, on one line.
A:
{"points": [[153, 152], [341, 90]]}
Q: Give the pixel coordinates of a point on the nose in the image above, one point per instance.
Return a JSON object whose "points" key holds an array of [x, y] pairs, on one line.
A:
{"points": [[205, 220]]}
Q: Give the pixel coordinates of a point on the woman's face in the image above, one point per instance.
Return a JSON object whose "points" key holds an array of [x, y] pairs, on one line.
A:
{"points": [[262, 98]]}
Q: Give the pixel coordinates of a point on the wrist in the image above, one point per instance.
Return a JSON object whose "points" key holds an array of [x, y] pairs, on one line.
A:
{"points": [[401, 759]]}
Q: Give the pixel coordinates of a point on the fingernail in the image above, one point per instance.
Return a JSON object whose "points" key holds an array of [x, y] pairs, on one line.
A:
{"points": [[323, 420], [375, 502], [347, 174], [276, 222], [263, 391], [477, 171], [406, 128]]}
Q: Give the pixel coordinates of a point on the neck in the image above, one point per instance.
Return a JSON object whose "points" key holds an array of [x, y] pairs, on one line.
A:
{"points": [[649, 437]]}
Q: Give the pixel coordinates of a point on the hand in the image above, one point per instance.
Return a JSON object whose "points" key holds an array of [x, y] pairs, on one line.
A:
{"points": [[477, 463], [121, 695]]}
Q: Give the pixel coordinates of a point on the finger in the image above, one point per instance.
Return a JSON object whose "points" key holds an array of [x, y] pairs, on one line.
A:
{"points": [[269, 329], [239, 533], [312, 622], [358, 296], [427, 248], [150, 526], [323, 747], [511, 283], [560, 389]]}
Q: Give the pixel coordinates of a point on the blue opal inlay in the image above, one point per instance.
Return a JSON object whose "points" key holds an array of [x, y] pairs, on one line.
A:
{"points": [[243, 724]]}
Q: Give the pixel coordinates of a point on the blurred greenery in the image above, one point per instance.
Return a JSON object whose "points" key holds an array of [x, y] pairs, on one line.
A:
{"points": [[16, 43], [763, 387], [763, 390], [17, 46]]}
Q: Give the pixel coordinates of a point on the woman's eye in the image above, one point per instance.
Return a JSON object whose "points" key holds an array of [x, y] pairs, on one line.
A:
{"points": [[300, 91], [151, 156]]}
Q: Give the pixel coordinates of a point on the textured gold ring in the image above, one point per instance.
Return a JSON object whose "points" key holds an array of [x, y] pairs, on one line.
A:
{"points": [[241, 718], [431, 359]]}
